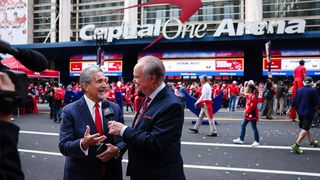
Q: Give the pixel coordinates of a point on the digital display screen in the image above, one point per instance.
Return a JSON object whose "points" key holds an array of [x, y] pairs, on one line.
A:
{"points": [[284, 66], [209, 67], [112, 64]]}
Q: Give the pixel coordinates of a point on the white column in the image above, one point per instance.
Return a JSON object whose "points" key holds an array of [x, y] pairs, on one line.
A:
{"points": [[29, 21], [65, 21], [253, 10], [130, 17], [54, 15]]}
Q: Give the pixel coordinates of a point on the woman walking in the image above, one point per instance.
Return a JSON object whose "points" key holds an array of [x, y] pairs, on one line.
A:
{"points": [[250, 115]]}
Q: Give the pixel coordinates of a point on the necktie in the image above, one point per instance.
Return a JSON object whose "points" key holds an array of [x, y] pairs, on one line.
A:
{"points": [[98, 119], [141, 110]]}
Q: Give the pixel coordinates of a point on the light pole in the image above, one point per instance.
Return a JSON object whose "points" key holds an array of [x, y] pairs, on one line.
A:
{"points": [[268, 54], [100, 52]]}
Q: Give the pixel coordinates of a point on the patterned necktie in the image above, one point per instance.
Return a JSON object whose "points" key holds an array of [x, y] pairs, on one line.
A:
{"points": [[98, 119], [141, 110]]}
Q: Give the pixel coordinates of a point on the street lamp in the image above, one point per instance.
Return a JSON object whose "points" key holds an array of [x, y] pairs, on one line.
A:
{"points": [[269, 29], [100, 53], [268, 54]]}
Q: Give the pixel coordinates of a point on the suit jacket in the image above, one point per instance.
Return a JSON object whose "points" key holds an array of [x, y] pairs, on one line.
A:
{"points": [[306, 101], [10, 167], [154, 144], [75, 117]]}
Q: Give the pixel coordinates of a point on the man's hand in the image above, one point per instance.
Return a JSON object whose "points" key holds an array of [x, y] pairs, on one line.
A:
{"points": [[111, 152], [6, 85], [115, 127], [91, 140]]}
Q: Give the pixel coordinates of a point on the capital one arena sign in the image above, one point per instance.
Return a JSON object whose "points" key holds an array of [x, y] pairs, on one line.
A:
{"points": [[181, 30]]}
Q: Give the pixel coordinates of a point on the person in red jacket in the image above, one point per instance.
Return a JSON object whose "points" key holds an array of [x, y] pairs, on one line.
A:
{"points": [[250, 115]]}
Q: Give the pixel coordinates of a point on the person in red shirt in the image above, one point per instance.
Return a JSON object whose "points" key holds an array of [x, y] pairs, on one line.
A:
{"points": [[299, 74], [233, 93], [127, 100], [110, 94], [250, 115]]}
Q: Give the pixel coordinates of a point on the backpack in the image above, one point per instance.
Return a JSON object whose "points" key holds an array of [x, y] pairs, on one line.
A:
{"points": [[58, 94], [267, 94]]}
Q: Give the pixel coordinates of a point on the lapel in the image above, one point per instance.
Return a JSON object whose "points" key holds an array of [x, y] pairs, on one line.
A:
{"points": [[156, 100], [86, 115]]}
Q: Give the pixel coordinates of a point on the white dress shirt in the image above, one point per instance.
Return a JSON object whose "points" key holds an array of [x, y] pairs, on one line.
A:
{"points": [[206, 93], [91, 106]]}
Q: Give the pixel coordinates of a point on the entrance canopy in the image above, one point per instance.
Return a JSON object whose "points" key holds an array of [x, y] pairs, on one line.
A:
{"points": [[15, 65]]}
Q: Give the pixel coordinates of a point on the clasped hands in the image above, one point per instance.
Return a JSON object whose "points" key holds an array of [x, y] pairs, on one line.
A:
{"points": [[94, 140]]}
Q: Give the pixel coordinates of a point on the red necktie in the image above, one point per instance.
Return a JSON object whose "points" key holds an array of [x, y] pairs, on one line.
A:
{"points": [[98, 119], [141, 110]]}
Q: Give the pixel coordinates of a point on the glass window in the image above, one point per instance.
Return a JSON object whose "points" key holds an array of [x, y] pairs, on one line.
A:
{"points": [[228, 11]]}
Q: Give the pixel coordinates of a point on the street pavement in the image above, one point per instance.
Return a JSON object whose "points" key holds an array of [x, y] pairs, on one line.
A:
{"points": [[204, 157]]}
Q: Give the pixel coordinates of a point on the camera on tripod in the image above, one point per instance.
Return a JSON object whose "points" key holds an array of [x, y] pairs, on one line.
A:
{"points": [[31, 59]]}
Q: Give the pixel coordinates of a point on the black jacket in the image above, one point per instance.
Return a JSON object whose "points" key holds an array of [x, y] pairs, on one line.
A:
{"points": [[10, 167]]}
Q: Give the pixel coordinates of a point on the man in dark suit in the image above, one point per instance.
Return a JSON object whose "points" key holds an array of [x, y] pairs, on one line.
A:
{"points": [[85, 126], [154, 140], [10, 167]]}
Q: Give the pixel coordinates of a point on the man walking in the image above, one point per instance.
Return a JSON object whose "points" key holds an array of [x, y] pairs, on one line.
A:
{"points": [[306, 102], [205, 103]]}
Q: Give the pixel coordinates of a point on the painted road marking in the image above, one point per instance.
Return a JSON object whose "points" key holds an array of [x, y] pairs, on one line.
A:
{"points": [[199, 143], [269, 171]]}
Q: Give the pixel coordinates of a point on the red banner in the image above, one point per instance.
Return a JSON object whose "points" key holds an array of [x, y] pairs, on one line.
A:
{"points": [[75, 67], [275, 64], [115, 66], [227, 65]]}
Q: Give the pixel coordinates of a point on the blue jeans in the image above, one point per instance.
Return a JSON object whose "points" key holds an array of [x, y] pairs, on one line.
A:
{"points": [[254, 128], [232, 102]]}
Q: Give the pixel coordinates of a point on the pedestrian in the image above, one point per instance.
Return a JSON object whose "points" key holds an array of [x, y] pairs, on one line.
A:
{"points": [[84, 130], [267, 105], [154, 140], [305, 101], [233, 94], [299, 75], [205, 103], [278, 104], [250, 115]]}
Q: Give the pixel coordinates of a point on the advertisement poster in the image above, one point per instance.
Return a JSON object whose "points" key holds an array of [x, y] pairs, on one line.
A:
{"points": [[286, 66], [229, 65], [13, 21], [110, 68]]}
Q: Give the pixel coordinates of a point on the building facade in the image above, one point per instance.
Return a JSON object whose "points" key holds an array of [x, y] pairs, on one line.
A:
{"points": [[219, 32]]}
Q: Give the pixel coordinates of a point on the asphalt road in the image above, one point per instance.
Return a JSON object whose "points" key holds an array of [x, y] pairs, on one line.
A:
{"points": [[204, 157]]}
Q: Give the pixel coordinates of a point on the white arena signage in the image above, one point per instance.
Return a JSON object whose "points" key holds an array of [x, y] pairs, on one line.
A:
{"points": [[226, 27]]}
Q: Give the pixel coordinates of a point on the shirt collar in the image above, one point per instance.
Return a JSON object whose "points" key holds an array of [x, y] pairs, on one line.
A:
{"points": [[155, 92], [90, 103]]}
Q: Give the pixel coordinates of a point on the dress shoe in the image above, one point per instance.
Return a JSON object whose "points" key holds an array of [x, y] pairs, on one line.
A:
{"points": [[194, 130]]}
